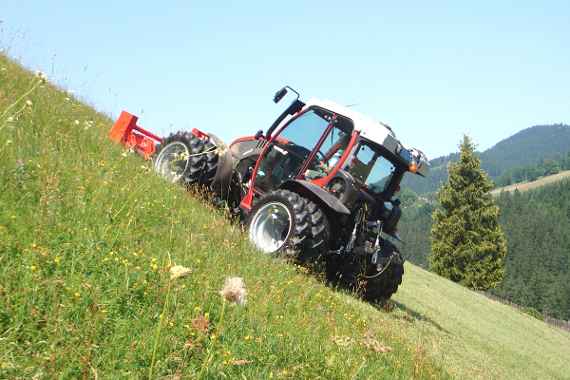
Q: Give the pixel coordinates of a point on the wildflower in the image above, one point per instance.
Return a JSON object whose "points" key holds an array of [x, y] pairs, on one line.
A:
{"points": [[342, 341], [178, 271], [76, 122], [189, 344], [201, 324], [29, 103], [234, 290], [41, 76], [10, 119], [238, 362], [372, 344]]}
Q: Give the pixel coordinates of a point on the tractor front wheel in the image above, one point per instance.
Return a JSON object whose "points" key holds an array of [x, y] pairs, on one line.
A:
{"points": [[357, 273], [286, 224]]}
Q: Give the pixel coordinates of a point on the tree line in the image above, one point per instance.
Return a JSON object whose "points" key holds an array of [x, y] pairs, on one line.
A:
{"points": [[543, 168]]}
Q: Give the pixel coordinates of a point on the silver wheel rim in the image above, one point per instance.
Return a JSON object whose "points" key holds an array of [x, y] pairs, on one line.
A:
{"points": [[172, 161], [270, 227]]}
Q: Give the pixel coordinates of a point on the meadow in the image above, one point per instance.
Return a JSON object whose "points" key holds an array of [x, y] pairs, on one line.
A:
{"points": [[89, 236]]}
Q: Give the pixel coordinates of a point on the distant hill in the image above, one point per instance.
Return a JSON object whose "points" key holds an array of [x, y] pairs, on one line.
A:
{"points": [[525, 186], [525, 148]]}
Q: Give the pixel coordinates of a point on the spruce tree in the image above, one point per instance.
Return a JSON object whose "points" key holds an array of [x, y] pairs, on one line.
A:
{"points": [[468, 245]]}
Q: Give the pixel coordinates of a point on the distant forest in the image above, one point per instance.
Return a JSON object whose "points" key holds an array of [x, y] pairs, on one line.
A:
{"points": [[537, 225]]}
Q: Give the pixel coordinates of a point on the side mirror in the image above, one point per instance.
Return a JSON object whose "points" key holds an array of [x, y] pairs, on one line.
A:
{"points": [[279, 95]]}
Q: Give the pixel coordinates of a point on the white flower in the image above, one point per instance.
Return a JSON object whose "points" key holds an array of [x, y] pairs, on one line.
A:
{"points": [[76, 122], [41, 76], [234, 290], [178, 271], [29, 103], [10, 119]]}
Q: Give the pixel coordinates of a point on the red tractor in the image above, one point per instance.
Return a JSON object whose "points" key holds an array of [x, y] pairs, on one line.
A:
{"points": [[320, 183]]}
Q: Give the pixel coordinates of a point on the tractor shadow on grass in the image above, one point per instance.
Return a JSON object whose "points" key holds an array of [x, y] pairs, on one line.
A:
{"points": [[402, 312]]}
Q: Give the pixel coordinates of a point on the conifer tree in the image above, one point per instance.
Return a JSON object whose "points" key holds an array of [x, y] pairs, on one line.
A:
{"points": [[468, 244]]}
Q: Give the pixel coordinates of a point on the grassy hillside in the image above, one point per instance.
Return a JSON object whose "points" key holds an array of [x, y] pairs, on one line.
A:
{"points": [[88, 235], [525, 186]]}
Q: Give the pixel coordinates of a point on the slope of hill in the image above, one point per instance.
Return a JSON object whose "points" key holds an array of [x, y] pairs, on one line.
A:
{"points": [[525, 186], [536, 223], [87, 237], [524, 148]]}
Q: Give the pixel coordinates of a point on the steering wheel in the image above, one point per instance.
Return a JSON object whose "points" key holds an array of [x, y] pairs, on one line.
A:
{"points": [[323, 159]]}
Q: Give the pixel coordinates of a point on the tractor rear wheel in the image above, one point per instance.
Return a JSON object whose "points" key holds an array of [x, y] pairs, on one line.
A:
{"points": [[184, 158], [284, 223]]}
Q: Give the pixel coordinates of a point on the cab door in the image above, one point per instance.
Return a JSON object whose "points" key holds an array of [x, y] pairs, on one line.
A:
{"points": [[288, 151]]}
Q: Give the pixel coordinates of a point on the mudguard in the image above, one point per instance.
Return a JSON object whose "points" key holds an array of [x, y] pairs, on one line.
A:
{"points": [[324, 196], [225, 164], [247, 147]]}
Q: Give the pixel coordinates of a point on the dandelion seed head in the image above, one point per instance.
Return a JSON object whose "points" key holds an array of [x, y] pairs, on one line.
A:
{"points": [[234, 290], [178, 271]]}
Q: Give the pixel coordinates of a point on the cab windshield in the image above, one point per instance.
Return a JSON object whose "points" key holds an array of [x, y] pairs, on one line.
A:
{"points": [[371, 168], [309, 147]]}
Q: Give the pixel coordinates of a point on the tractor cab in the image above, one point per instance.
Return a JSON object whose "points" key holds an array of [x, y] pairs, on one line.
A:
{"points": [[320, 144]]}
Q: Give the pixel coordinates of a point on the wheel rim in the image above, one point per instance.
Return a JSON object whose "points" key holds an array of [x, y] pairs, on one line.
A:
{"points": [[270, 227], [172, 161]]}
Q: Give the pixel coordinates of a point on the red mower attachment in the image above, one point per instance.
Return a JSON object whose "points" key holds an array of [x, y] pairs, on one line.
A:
{"points": [[125, 131]]}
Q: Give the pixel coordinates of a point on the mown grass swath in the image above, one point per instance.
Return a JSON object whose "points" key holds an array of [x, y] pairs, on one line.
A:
{"points": [[87, 236]]}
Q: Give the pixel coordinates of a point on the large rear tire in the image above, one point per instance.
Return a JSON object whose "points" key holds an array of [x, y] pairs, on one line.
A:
{"points": [[283, 223], [184, 158]]}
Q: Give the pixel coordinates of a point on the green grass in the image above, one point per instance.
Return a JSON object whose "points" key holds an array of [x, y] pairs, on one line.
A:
{"points": [[87, 236]]}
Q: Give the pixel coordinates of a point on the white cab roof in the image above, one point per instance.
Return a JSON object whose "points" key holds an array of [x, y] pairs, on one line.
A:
{"points": [[368, 128]]}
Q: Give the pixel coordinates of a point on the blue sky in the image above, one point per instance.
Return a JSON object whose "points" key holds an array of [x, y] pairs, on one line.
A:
{"points": [[432, 70]]}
